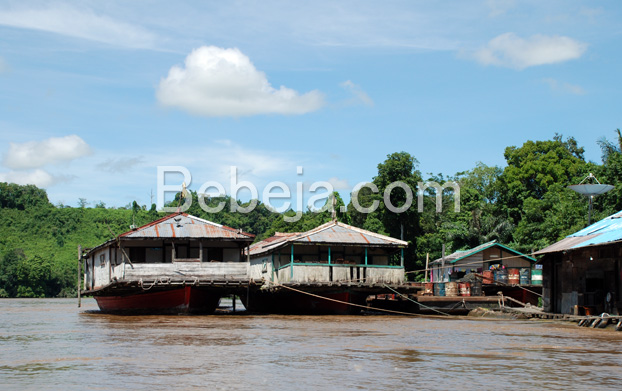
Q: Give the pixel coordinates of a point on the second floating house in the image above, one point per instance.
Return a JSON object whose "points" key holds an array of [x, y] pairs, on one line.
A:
{"points": [[335, 264]]}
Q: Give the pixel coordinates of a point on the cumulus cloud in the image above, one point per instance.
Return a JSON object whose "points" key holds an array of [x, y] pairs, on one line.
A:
{"points": [[509, 50], [218, 82], [79, 23], [38, 177], [560, 86], [36, 154], [359, 96]]}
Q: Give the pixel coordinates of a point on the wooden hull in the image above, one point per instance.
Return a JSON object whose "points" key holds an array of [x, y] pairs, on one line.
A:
{"points": [[171, 301], [287, 302]]}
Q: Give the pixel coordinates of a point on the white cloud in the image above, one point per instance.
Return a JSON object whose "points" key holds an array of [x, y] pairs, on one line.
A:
{"points": [[339, 184], [567, 88], [224, 82], [359, 96], [38, 177], [36, 154], [79, 23], [509, 50]]}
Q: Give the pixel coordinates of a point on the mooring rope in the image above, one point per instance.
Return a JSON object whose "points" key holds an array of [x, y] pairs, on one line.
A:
{"points": [[423, 305], [140, 282], [359, 305]]}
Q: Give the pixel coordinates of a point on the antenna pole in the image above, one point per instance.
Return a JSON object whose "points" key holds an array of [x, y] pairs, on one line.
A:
{"points": [[589, 215], [590, 190]]}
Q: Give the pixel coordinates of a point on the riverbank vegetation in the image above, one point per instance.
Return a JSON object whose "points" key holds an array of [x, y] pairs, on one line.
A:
{"points": [[525, 204]]}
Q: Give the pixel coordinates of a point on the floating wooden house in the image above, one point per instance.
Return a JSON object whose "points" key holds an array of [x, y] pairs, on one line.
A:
{"points": [[179, 263], [335, 261], [582, 272], [478, 260]]}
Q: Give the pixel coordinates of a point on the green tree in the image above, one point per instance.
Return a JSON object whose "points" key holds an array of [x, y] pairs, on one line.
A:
{"points": [[480, 219], [400, 167], [22, 197], [610, 173], [533, 190]]}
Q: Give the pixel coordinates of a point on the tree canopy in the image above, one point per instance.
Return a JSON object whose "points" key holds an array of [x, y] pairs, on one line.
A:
{"points": [[525, 205]]}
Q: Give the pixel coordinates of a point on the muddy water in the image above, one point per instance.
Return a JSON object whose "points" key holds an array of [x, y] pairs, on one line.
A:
{"points": [[52, 345]]}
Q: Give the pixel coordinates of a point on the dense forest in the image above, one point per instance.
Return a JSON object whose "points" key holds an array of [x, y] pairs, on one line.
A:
{"points": [[525, 205]]}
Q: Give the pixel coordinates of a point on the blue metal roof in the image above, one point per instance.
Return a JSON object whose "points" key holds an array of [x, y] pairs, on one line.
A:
{"points": [[607, 230]]}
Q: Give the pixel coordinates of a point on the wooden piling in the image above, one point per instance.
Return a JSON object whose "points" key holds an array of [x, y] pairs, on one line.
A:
{"points": [[79, 275]]}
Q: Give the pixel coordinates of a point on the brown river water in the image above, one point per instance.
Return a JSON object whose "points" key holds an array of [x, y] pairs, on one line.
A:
{"points": [[50, 344]]}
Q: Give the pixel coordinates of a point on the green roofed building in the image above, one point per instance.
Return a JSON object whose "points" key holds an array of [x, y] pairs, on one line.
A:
{"points": [[478, 259]]}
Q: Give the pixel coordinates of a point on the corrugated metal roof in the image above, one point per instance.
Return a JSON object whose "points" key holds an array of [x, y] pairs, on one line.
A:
{"points": [[332, 232], [271, 242], [607, 230], [182, 225], [461, 254]]}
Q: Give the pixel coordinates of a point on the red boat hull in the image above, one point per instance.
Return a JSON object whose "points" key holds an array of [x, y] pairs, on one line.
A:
{"points": [[172, 301]]}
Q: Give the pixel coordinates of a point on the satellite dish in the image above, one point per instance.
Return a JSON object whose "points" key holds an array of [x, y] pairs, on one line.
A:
{"points": [[590, 190]]}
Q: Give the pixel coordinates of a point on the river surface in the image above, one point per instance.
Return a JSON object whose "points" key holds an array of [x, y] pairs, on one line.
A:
{"points": [[50, 344]]}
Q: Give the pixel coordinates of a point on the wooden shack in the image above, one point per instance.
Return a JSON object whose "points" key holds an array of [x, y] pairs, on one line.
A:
{"points": [[478, 259], [582, 272]]}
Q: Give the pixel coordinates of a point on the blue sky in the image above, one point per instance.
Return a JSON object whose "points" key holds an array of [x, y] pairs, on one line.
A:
{"points": [[95, 95]]}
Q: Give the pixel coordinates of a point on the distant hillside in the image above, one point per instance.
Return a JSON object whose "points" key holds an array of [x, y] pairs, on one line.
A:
{"points": [[38, 241]]}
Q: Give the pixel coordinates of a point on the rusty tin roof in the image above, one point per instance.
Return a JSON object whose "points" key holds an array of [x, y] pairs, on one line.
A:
{"points": [[185, 226], [333, 232], [181, 226]]}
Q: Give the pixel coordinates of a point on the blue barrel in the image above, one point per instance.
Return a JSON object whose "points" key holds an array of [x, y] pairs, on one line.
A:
{"points": [[439, 289], [501, 275], [525, 276]]}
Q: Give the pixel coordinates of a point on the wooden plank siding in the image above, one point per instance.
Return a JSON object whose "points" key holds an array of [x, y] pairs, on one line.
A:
{"points": [[340, 273]]}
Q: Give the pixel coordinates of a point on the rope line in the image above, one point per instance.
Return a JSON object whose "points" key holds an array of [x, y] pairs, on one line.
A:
{"points": [[423, 305], [363, 306]]}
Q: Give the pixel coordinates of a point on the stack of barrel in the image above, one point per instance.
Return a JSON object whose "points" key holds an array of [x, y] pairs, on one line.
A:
{"points": [[513, 276], [455, 289]]}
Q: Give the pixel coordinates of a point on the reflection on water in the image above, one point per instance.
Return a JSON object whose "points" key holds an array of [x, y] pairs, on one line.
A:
{"points": [[52, 345]]}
